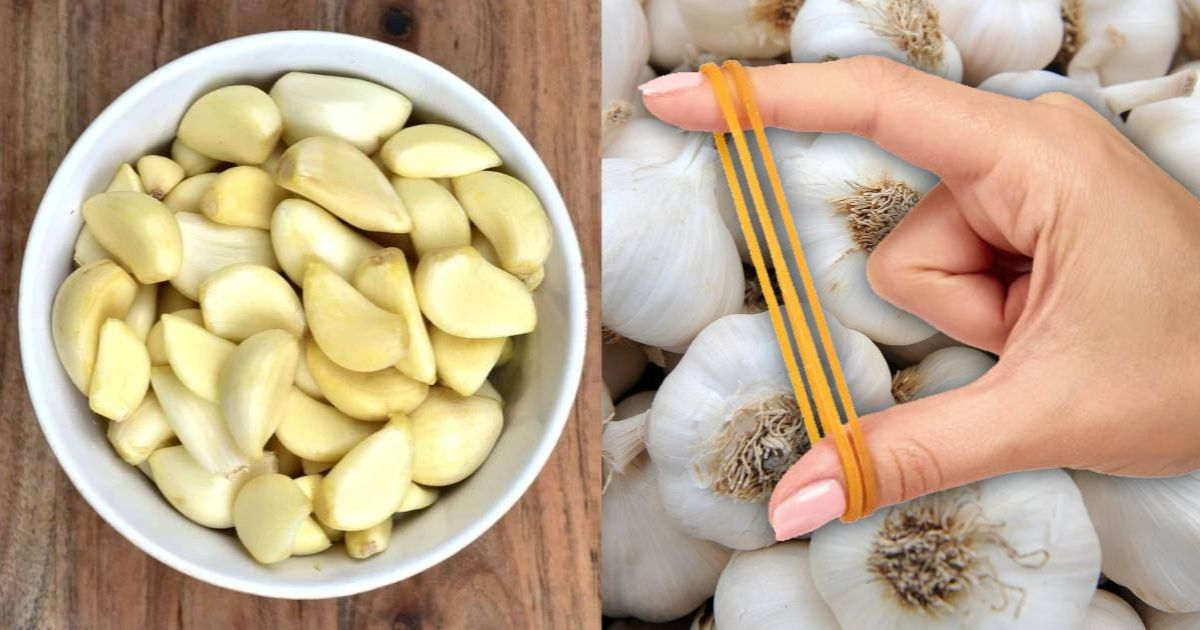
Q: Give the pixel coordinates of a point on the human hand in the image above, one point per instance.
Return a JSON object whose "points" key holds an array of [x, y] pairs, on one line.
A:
{"points": [[1051, 240]]}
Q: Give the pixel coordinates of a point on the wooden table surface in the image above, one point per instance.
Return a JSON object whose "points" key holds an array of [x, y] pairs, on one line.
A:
{"points": [[61, 63]]}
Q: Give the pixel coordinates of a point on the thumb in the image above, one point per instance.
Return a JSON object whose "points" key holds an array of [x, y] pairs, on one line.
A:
{"points": [[947, 440]]}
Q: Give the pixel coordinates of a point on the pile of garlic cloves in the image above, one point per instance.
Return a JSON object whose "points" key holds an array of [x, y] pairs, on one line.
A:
{"points": [[699, 418], [289, 324]]}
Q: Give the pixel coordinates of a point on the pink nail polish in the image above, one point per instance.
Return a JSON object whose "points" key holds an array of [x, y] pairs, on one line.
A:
{"points": [[809, 508], [670, 83]]}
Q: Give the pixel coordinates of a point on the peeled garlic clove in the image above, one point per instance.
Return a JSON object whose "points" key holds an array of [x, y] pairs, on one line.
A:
{"points": [[509, 214], [317, 432], [154, 341], [438, 219], [311, 467], [170, 300], [125, 180], [254, 384], [192, 161], [140, 232], [463, 295], [236, 123], [267, 513], [384, 279], [350, 329], [463, 364], [359, 112], [365, 543], [196, 493], [88, 249], [343, 180], [436, 151], [195, 355], [209, 247], [484, 247], [369, 483], [289, 463], [143, 311], [304, 377], [122, 373], [534, 280], [90, 295], [506, 353], [310, 485], [302, 231], [271, 164], [272, 302], [418, 498], [159, 175], [487, 390], [143, 432], [452, 436], [370, 396], [310, 538], [242, 195], [198, 424]]}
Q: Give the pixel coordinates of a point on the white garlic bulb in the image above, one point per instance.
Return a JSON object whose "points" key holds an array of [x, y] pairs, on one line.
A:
{"points": [[907, 31], [1016, 551], [647, 140], [1109, 612], [670, 42], [771, 589], [669, 265], [941, 371], [1002, 35], [1158, 620], [625, 48], [725, 425], [845, 195], [1114, 41], [1150, 533], [751, 29], [911, 354], [622, 364], [649, 568], [1166, 131], [1031, 84]]}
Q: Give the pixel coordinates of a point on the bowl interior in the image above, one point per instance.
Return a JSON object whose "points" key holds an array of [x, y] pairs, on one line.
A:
{"points": [[539, 385]]}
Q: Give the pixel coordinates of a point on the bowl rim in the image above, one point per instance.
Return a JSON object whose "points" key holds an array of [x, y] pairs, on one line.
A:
{"points": [[576, 315]]}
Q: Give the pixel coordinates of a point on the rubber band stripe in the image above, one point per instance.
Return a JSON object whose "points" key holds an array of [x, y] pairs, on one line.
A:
{"points": [[822, 396], [858, 441]]}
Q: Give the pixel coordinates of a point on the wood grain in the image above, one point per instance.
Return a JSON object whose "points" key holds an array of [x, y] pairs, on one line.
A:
{"points": [[61, 63]]}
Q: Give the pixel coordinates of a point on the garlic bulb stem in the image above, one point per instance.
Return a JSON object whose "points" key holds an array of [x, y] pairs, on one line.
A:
{"points": [[1123, 97]]}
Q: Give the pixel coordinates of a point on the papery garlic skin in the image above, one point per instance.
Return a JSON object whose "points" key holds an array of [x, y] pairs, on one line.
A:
{"points": [[753, 29], [845, 194], [625, 49], [732, 382], [906, 31], [996, 36], [941, 371], [649, 141], [1166, 132], [650, 569], [770, 589], [1114, 41], [1016, 551], [1150, 533], [670, 267], [1109, 612]]}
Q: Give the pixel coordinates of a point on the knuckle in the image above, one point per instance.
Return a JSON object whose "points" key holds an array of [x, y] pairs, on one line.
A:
{"points": [[913, 471]]}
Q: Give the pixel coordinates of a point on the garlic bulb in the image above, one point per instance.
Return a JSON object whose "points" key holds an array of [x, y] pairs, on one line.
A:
{"points": [[1158, 620], [1114, 41], [623, 363], [941, 371], [670, 42], [649, 568], [1150, 534], [753, 29], [625, 51], [725, 425], [1016, 551], [1109, 612], [1164, 131], [903, 30], [669, 265], [770, 589], [1001, 35], [845, 195], [1031, 84], [649, 141], [911, 354]]}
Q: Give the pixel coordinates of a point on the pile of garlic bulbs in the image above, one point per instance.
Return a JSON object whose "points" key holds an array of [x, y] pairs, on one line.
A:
{"points": [[704, 411]]}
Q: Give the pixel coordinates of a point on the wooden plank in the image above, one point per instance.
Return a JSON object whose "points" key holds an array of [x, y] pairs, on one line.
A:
{"points": [[61, 63]]}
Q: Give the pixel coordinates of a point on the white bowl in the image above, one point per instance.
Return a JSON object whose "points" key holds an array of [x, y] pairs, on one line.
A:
{"points": [[539, 388]]}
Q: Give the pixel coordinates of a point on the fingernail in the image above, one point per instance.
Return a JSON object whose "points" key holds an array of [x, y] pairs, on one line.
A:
{"points": [[670, 83], [809, 508]]}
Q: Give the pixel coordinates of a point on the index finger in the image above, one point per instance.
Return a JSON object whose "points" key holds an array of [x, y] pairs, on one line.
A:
{"points": [[941, 126]]}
